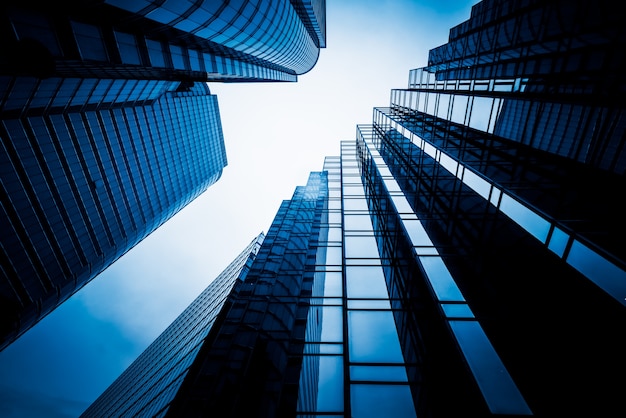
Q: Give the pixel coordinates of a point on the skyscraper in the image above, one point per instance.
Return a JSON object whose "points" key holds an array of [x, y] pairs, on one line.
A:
{"points": [[462, 257], [108, 128], [148, 386]]}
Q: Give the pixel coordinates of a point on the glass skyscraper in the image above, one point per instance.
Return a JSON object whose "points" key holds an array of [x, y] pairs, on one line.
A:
{"points": [[148, 386], [462, 257], [108, 127]]}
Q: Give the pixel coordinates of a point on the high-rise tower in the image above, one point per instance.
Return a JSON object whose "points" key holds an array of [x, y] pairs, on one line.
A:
{"points": [[152, 381], [108, 128], [462, 257]]}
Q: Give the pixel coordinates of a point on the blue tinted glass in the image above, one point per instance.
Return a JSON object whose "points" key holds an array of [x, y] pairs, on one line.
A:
{"points": [[332, 284], [357, 223], [89, 41], [527, 219], [376, 401], [128, 48], [155, 52], [354, 204], [177, 57], [440, 279], [333, 256], [361, 247], [558, 241], [379, 373], [599, 270], [373, 337], [457, 310], [366, 282], [332, 324], [330, 386]]}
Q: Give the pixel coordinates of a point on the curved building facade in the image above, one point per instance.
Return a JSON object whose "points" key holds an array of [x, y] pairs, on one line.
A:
{"points": [[172, 40]]}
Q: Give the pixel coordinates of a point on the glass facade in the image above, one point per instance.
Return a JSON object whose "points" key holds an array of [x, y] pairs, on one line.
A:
{"points": [[243, 40], [150, 383], [462, 257], [83, 184], [108, 127]]}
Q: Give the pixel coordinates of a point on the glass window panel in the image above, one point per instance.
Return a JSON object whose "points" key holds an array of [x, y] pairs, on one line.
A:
{"points": [[379, 373], [558, 241], [357, 223], [526, 218], [599, 270], [361, 247], [334, 204], [334, 234], [354, 204], [476, 183], [317, 348], [333, 255], [373, 337], [155, 51], [353, 190], [332, 324], [330, 384], [440, 279], [128, 48], [334, 217], [459, 108], [366, 282], [195, 60], [369, 304], [481, 110], [375, 401], [417, 233], [177, 57], [448, 163], [332, 284], [401, 204], [350, 171], [89, 41], [457, 310]]}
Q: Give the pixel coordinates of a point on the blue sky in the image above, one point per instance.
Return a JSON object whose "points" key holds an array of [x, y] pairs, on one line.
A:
{"points": [[275, 133]]}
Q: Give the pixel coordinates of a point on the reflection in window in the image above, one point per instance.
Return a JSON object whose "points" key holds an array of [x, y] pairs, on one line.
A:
{"points": [[558, 241], [366, 282], [330, 386], [155, 51], [440, 279], [373, 337], [332, 324], [527, 219], [332, 284], [375, 401], [357, 223], [354, 204], [379, 373], [128, 48], [361, 247], [89, 41], [598, 269]]}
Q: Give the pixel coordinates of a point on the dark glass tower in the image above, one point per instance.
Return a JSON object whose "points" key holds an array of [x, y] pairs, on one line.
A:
{"points": [[150, 383], [463, 257], [108, 128]]}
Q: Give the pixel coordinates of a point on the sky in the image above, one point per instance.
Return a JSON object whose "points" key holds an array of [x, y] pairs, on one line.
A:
{"points": [[275, 135]]}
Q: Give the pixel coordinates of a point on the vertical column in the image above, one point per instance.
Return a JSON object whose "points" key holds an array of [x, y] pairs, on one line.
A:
{"points": [[377, 373], [321, 387]]}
